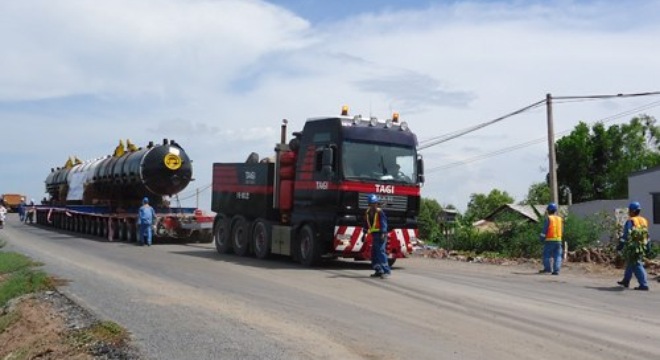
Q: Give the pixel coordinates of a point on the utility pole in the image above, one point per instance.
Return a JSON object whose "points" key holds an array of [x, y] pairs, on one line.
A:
{"points": [[197, 198], [554, 193]]}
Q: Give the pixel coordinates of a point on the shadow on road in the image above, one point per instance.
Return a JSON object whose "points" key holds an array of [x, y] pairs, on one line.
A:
{"points": [[607, 288], [275, 262]]}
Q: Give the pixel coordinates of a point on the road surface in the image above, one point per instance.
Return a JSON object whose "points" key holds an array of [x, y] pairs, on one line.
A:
{"points": [[188, 302]]}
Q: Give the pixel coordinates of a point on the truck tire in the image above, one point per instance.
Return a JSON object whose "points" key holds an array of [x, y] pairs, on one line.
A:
{"points": [[261, 238], [240, 239], [221, 234], [309, 246]]}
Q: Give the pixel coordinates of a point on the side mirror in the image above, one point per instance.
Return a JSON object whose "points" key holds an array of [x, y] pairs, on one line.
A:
{"points": [[328, 162], [420, 169]]}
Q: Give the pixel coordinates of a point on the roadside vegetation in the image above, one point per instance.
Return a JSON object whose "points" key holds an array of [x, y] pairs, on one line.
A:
{"points": [[32, 327]]}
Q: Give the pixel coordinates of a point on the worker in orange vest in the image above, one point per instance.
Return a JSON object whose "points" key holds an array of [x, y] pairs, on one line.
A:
{"points": [[637, 267], [551, 238]]}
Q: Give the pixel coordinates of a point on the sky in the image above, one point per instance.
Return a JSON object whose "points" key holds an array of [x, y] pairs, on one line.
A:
{"points": [[218, 76]]}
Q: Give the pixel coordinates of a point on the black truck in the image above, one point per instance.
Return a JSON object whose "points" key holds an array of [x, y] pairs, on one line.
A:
{"points": [[309, 200]]}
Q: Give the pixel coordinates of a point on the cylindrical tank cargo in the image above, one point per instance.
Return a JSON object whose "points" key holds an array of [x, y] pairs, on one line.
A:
{"points": [[158, 170]]}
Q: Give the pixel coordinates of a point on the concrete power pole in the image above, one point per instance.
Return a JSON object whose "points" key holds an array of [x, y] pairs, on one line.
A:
{"points": [[554, 193]]}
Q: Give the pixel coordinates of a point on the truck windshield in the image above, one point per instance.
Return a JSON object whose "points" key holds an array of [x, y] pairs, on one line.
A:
{"points": [[378, 162]]}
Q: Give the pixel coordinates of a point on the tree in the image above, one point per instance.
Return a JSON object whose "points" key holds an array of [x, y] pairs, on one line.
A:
{"points": [[538, 193], [595, 163], [429, 210], [481, 205]]}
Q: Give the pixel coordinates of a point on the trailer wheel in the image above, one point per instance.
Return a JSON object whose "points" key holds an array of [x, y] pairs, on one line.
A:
{"points": [[123, 232], [132, 232], [261, 238], [240, 240], [87, 223], [309, 246], [103, 228], [221, 234]]}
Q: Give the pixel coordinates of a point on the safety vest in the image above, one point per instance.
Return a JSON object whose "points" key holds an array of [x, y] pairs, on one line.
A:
{"points": [[373, 225], [638, 221], [555, 226]]}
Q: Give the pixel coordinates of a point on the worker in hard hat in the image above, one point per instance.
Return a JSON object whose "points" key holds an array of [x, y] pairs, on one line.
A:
{"points": [[375, 224], [146, 220], [635, 244], [551, 238], [29, 212], [3, 214], [21, 210]]}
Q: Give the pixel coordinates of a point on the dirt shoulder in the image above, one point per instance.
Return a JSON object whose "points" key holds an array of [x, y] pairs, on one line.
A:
{"points": [[48, 325]]}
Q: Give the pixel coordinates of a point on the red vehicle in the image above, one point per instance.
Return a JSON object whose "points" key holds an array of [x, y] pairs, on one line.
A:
{"points": [[101, 197], [309, 202]]}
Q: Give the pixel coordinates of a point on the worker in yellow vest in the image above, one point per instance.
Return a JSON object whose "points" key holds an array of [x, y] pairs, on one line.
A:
{"points": [[634, 267], [551, 238], [375, 224]]}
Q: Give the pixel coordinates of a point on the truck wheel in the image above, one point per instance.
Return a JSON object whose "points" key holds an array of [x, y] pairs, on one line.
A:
{"points": [[221, 234], [239, 236], [309, 246], [391, 262], [261, 238]]}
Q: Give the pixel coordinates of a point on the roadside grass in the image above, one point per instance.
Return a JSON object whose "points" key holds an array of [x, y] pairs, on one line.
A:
{"points": [[102, 332], [19, 276]]}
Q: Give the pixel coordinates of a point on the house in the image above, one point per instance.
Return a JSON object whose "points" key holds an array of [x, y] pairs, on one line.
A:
{"points": [[644, 186], [530, 213]]}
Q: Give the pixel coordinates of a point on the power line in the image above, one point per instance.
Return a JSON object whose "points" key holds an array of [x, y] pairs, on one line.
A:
{"points": [[557, 99], [443, 138], [539, 140]]}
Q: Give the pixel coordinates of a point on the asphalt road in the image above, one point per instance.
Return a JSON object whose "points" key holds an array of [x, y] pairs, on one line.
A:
{"points": [[188, 302]]}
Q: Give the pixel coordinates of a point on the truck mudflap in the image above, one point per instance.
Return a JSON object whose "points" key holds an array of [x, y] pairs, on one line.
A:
{"points": [[349, 242]]}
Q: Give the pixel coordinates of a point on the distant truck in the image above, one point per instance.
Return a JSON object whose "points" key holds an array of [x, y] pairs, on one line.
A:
{"points": [[309, 201], [12, 201]]}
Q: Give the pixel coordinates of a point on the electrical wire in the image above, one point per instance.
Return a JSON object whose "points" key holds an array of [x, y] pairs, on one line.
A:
{"points": [[555, 99], [539, 140], [443, 138], [197, 192]]}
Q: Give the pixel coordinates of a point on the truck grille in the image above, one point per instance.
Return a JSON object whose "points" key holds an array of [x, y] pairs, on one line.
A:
{"points": [[390, 202]]}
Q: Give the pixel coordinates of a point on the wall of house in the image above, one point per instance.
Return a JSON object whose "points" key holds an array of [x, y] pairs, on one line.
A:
{"points": [[614, 208], [641, 187]]}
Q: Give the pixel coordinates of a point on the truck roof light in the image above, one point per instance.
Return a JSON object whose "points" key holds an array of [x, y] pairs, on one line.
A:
{"points": [[388, 123], [373, 121], [395, 117], [356, 120], [404, 126], [344, 110]]}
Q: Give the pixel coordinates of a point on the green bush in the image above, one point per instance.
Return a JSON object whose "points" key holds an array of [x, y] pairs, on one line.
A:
{"points": [[579, 233], [518, 238]]}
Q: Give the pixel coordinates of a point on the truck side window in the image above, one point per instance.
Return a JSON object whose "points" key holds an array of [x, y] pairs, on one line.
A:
{"points": [[318, 163]]}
